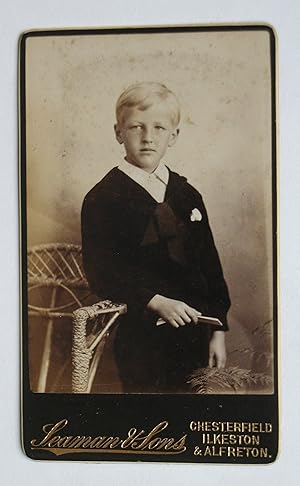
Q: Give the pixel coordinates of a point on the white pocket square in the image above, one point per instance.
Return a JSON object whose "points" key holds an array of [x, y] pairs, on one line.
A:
{"points": [[196, 215]]}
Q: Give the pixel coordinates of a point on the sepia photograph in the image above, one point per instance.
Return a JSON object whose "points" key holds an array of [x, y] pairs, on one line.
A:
{"points": [[150, 289], [150, 211]]}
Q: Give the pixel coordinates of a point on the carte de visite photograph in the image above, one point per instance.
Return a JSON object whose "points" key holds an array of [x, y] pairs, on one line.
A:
{"points": [[149, 217]]}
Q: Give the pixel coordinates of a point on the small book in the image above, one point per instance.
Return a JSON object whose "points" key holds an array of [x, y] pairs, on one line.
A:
{"points": [[212, 321]]}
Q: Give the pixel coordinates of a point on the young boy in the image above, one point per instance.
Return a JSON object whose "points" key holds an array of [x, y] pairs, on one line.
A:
{"points": [[146, 242]]}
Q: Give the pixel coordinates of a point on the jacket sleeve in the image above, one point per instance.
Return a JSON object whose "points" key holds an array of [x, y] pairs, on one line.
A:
{"points": [[218, 295], [109, 273]]}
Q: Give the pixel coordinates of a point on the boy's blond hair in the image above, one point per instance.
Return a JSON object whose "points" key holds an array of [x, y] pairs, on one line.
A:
{"points": [[143, 95]]}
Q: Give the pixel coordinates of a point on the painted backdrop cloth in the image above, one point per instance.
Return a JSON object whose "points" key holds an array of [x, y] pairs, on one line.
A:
{"points": [[133, 248]]}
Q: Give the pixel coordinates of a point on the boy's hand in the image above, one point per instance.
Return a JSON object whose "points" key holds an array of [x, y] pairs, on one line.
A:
{"points": [[174, 312], [217, 350]]}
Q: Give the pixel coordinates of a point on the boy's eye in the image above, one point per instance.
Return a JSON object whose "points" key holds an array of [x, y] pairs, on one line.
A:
{"points": [[159, 127], [136, 127]]}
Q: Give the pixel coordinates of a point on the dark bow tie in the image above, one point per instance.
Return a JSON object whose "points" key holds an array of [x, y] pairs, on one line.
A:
{"points": [[164, 225]]}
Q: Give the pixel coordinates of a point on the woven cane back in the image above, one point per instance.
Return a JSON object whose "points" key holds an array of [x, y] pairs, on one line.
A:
{"points": [[58, 266]]}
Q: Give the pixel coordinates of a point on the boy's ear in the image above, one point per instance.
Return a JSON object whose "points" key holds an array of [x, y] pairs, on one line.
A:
{"points": [[173, 137], [118, 133]]}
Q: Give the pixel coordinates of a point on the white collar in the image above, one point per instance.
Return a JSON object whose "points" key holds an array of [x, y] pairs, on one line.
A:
{"points": [[139, 175], [155, 182]]}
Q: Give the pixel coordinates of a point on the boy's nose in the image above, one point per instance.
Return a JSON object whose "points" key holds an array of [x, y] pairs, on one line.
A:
{"points": [[147, 135]]}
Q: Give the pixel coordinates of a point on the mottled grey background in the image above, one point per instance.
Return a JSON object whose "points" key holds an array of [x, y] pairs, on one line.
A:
{"points": [[222, 80]]}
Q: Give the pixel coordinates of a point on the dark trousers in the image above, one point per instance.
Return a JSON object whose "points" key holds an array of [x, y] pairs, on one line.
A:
{"points": [[159, 359]]}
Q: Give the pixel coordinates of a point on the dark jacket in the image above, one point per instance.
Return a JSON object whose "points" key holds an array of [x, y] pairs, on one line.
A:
{"points": [[131, 253]]}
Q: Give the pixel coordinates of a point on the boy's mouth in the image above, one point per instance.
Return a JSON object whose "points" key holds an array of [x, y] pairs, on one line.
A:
{"points": [[147, 150]]}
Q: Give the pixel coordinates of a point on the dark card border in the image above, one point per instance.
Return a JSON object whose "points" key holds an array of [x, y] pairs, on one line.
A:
{"points": [[116, 414]]}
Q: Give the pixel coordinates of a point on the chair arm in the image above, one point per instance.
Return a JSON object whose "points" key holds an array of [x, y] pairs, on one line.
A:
{"points": [[82, 348]]}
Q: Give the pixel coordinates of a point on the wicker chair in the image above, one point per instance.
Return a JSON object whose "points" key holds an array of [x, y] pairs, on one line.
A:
{"points": [[58, 267]]}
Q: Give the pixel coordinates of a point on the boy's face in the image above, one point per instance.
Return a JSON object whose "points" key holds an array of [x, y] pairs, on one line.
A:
{"points": [[146, 135]]}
